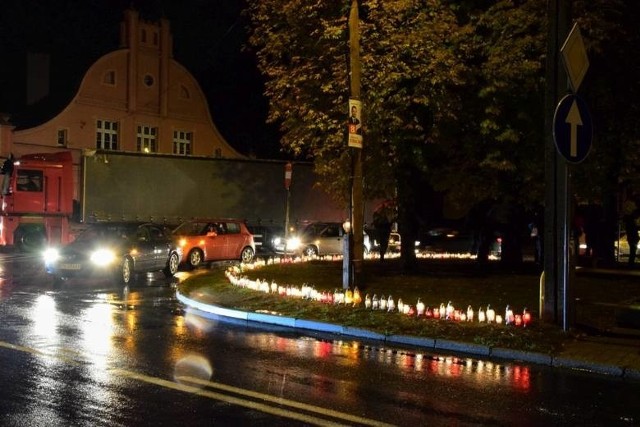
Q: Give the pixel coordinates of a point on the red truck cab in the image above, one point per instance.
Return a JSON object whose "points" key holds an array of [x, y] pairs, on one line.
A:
{"points": [[38, 205]]}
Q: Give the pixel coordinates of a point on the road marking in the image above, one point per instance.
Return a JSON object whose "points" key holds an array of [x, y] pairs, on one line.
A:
{"points": [[282, 401], [196, 390]]}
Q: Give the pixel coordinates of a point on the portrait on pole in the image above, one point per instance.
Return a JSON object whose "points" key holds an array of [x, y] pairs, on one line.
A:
{"points": [[355, 123]]}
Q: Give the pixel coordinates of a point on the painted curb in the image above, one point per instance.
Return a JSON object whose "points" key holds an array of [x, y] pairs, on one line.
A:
{"points": [[633, 374], [482, 350], [209, 308], [318, 326], [524, 356], [363, 333], [271, 318], [562, 362], [417, 341]]}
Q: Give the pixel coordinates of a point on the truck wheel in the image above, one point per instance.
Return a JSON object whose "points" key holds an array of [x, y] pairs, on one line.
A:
{"points": [[30, 240], [172, 265], [124, 274], [195, 258], [246, 255]]}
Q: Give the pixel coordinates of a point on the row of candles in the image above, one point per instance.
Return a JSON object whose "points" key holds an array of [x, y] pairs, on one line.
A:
{"points": [[388, 304]]}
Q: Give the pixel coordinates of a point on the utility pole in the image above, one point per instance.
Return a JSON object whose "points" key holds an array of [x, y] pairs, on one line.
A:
{"points": [[357, 210]]}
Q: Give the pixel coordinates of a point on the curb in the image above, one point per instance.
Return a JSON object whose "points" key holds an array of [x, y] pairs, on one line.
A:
{"points": [[243, 318]]}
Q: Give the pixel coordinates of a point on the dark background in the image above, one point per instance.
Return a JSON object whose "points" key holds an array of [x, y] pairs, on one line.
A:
{"points": [[208, 37]]}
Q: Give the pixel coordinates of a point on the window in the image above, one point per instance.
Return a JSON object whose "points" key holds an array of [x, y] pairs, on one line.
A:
{"points": [[148, 80], [62, 137], [106, 135], [146, 140], [182, 142], [29, 180], [109, 78], [233, 228]]}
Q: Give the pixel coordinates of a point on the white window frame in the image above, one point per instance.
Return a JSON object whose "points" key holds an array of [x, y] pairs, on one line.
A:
{"points": [[107, 136], [147, 139], [62, 137], [182, 142]]}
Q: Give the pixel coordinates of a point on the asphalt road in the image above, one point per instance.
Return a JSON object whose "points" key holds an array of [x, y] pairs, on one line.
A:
{"points": [[92, 353]]}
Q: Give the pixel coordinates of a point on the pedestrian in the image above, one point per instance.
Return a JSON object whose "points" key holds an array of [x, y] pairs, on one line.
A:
{"points": [[536, 229], [7, 170], [383, 231], [631, 228]]}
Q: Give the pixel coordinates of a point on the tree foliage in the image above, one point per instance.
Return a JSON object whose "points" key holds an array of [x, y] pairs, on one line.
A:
{"points": [[452, 92]]}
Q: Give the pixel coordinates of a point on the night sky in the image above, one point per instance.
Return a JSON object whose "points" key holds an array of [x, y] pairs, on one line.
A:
{"points": [[208, 36]]}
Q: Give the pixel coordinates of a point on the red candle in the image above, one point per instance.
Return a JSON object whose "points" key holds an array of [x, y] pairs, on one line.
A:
{"points": [[526, 318], [518, 319]]}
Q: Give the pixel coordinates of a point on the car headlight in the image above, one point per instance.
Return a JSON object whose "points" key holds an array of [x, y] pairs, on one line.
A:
{"points": [[51, 255], [293, 243], [277, 241], [102, 257]]}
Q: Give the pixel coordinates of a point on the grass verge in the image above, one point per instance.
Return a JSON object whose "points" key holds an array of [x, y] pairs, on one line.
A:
{"points": [[434, 282]]}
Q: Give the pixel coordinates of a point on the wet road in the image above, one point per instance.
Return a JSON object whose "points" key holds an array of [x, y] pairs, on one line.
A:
{"points": [[91, 353]]}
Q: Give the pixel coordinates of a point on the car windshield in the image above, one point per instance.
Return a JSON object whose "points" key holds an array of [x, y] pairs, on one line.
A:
{"points": [[194, 228], [108, 232]]}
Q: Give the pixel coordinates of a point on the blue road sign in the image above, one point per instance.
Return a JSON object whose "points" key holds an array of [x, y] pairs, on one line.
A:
{"points": [[572, 128]]}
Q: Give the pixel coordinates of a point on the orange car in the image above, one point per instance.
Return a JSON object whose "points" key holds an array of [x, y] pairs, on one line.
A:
{"points": [[214, 240]]}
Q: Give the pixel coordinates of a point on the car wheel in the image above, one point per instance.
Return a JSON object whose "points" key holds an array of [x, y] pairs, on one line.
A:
{"points": [[246, 255], [310, 251], [172, 265], [195, 258], [125, 274]]}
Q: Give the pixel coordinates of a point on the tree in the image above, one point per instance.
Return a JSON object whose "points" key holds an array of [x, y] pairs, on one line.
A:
{"points": [[452, 95]]}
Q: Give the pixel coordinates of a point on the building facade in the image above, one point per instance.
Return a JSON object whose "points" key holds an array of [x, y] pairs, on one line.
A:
{"points": [[134, 99]]}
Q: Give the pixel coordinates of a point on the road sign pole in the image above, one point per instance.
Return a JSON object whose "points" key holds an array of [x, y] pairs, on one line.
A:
{"points": [[556, 176]]}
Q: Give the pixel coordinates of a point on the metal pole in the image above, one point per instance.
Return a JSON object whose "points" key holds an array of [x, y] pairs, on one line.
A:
{"points": [[357, 212], [556, 221]]}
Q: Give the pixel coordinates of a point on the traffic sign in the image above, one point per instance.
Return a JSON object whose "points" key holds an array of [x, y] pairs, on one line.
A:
{"points": [[572, 128], [574, 56], [288, 169]]}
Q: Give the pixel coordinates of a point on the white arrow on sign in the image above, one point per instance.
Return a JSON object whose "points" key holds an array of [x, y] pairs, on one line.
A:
{"points": [[574, 120]]}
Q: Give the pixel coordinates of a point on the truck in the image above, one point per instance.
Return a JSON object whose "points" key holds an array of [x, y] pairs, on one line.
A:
{"points": [[167, 189]]}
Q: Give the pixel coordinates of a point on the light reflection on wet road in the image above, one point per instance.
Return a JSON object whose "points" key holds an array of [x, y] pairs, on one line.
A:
{"points": [[91, 353]]}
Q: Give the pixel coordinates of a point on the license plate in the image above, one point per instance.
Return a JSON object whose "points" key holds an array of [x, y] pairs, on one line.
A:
{"points": [[70, 266]]}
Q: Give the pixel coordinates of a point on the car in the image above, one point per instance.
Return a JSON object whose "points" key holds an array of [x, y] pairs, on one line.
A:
{"points": [[318, 239], [206, 240], [266, 237], [393, 245], [621, 247], [118, 250], [315, 239], [452, 240]]}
